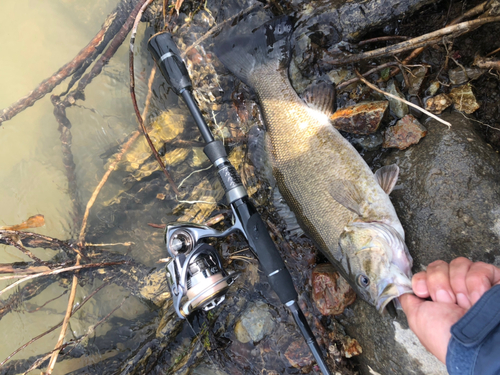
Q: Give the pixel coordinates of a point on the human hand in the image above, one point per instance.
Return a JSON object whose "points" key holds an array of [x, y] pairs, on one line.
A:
{"points": [[453, 289]]}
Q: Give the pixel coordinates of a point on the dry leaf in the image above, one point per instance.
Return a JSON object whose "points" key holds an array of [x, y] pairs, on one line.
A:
{"points": [[32, 222]]}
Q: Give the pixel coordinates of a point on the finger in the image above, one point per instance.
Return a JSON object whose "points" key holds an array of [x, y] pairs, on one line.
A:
{"points": [[419, 284], [459, 268], [410, 305], [438, 282], [480, 278]]}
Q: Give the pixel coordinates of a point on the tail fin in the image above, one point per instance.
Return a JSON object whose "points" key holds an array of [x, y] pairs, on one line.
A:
{"points": [[243, 53]]}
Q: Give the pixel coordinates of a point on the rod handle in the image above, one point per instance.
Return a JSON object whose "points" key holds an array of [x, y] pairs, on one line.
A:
{"points": [[168, 58]]}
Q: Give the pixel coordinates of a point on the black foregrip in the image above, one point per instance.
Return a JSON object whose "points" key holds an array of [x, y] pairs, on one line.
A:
{"points": [[168, 58], [263, 246]]}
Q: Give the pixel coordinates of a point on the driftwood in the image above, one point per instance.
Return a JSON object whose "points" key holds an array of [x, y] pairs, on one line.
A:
{"points": [[421, 41]]}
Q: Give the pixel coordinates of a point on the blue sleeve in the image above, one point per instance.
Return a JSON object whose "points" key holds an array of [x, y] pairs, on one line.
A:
{"points": [[474, 347]]}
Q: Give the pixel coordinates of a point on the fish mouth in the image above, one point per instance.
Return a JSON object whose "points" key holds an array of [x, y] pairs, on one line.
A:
{"points": [[390, 292]]}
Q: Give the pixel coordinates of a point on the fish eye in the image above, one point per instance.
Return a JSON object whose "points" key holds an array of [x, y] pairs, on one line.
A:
{"points": [[363, 281]]}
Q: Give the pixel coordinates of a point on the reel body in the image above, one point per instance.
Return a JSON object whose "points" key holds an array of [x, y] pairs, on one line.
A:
{"points": [[195, 273]]}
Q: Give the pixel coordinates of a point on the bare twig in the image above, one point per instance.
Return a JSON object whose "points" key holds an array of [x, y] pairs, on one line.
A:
{"points": [[104, 178], [493, 52], [470, 13], [46, 303], [34, 240], [373, 87], [57, 271], [382, 39], [426, 39], [18, 244], [344, 84], [485, 63], [69, 311], [84, 57]]}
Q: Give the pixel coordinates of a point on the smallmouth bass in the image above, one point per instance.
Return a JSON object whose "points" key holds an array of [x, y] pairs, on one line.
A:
{"points": [[336, 198]]}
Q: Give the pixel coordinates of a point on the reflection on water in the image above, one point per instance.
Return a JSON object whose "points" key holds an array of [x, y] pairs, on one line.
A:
{"points": [[38, 37]]}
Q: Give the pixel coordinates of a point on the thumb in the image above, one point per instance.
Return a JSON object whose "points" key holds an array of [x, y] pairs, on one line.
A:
{"points": [[410, 303]]}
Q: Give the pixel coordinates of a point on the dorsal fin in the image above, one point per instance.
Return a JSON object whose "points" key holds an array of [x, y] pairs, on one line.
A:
{"points": [[348, 195], [387, 177], [321, 96]]}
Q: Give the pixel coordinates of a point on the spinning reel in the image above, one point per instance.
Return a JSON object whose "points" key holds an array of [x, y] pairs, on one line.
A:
{"points": [[195, 270]]}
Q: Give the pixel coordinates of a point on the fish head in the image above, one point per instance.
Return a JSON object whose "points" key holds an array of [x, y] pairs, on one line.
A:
{"points": [[377, 262]]}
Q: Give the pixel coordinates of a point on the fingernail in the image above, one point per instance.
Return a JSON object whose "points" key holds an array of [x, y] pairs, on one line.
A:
{"points": [[463, 301], [420, 288], [443, 296], [474, 296]]}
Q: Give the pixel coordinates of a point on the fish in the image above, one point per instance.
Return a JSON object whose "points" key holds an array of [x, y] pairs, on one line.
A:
{"points": [[338, 201]]}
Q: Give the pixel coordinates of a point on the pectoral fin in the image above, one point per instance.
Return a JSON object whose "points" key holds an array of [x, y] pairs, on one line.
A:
{"points": [[387, 177], [348, 195], [321, 96]]}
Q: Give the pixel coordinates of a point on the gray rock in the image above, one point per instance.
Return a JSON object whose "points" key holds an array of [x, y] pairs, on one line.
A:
{"points": [[255, 323], [448, 197], [448, 200], [399, 108]]}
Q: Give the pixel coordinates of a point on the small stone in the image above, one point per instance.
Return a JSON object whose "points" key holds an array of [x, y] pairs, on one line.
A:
{"points": [[331, 293], [460, 75], [415, 78], [299, 355], [464, 99], [363, 118], [438, 103], [399, 108], [370, 142], [255, 323], [433, 88], [351, 347], [406, 132]]}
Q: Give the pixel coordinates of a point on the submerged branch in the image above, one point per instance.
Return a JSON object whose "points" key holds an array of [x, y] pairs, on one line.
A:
{"points": [[140, 118], [60, 270], [83, 58], [53, 328]]}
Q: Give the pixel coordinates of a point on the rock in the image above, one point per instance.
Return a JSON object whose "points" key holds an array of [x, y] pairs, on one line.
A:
{"points": [[464, 99], [399, 108], [406, 132], [415, 78], [299, 355], [255, 323], [389, 346], [450, 192], [330, 292], [438, 103], [460, 75], [205, 369], [363, 118], [351, 347], [448, 200], [433, 88], [370, 142]]}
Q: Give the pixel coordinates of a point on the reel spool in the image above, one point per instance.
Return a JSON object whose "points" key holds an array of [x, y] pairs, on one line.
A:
{"points": [[195, 272]]}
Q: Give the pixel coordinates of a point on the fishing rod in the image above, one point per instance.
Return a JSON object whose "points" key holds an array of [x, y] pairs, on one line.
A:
{"points": [[195, 273]]}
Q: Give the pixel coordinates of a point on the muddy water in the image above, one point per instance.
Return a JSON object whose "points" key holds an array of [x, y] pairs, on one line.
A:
{"points": [[37, 39]]}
